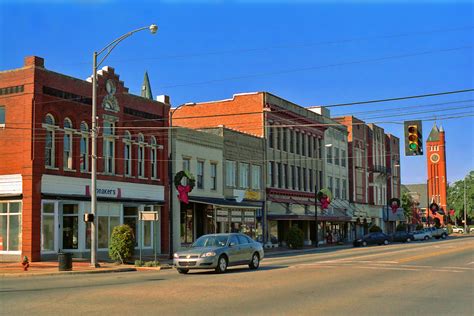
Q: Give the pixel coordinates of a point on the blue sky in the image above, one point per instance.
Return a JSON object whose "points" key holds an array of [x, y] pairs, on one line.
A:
{"points": [[308, 52]]}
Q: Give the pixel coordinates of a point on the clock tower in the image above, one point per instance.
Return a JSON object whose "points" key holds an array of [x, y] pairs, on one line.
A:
{"points": [[437, 180]]}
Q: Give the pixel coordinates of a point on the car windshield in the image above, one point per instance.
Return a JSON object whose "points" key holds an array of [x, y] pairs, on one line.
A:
{"points": [[211, 241]]}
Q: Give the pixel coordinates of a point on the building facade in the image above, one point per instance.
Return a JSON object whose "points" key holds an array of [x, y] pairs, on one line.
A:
{"points": [[228, 183], [45, 148], [294, 148]]}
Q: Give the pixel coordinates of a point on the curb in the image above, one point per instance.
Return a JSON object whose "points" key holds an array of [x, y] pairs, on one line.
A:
{"points": [[26, 275], [303, 251]]}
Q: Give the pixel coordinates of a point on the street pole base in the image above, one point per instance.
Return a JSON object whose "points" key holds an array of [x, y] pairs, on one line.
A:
{"points": [[95, 265]]}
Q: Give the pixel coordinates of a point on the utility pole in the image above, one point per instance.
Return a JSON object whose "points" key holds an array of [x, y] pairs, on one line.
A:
{"points": [[316, 237], [465, 208]]}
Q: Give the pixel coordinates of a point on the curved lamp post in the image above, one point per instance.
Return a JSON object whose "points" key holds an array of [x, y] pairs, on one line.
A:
{"points": [[108, 49]]}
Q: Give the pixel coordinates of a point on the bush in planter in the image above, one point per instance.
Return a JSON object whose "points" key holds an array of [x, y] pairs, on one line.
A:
{"points": [[375, 229], [122, 243], [295, 237], [401, 227]]}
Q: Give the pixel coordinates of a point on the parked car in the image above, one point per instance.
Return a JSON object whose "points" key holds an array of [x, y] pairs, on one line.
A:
{"points": [[471, 230], [219, 251], [372, 239], [457, 229], [437, 232], [402, 236], [422, 235]]}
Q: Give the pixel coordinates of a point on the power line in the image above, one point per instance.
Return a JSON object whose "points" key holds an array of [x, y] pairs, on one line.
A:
{"points": [[400, 98]]}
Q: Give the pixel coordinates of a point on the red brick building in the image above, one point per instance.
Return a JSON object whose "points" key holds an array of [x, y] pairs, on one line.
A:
{"points": [[45, 162], [294, 141]]}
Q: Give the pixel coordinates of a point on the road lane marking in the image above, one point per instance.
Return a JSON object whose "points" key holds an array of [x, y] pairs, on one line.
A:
{"points": [[471, 263], [393, 268]]}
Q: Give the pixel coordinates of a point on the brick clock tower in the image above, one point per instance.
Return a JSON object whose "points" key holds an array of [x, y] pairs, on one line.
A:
{"points": [[437, 179]]}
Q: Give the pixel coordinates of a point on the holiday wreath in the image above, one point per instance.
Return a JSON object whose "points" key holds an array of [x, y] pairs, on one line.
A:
{"points": [[183, 190]]}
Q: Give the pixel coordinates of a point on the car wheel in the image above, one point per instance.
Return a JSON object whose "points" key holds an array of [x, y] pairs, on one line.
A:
{"points": [[183, 271], [426, 238], [385, 242], [255, 263], [364, 243], [444, 236], [221, 264], [408, 239]]}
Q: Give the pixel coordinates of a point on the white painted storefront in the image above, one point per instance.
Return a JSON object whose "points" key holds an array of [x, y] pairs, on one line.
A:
{"points": [[66, 199]]}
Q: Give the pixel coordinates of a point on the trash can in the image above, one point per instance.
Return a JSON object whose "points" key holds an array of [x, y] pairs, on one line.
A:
{"points": [[65, 261]]}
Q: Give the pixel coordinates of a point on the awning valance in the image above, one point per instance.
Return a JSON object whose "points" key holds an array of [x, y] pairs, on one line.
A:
{"points": [[226, 203]]}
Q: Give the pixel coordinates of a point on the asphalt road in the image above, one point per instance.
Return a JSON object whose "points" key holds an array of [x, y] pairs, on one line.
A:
{"points": [[425, 278]]}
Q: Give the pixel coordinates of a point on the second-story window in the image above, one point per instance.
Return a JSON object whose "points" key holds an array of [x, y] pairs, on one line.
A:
{"points": [[303, 144], [278, 137], [285, 139], [256, 179], [343, 158], [153, 158], [244, 175], [292, 141], [271, 173], [200, 174], [109, 147], [294, 180], [344, 189], [329, 154], [84, 147], [127, 153], [141, 156], [49, 144], [213, 176], [336, 156], [67, 145], [297, 143], [270, 136], [230, 171]]}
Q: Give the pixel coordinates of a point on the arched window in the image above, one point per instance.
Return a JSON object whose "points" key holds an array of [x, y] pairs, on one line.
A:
{"points": [[49, 145], [153, 158], [141, 156], [67, 148], [127, 153], [84, 147]]}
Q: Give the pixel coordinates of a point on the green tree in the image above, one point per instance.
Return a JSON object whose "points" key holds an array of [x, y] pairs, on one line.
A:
{"points": [[456, 196], [407, 204]]}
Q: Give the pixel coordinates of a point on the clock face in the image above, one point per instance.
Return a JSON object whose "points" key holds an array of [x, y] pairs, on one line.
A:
{"points": [[434, 158]]}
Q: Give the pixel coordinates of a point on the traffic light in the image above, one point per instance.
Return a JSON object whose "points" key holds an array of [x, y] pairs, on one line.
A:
{"points": [[413, 138]]}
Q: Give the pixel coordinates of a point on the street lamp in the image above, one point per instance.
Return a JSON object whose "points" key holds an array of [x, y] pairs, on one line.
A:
{"points": [[153, 28]]}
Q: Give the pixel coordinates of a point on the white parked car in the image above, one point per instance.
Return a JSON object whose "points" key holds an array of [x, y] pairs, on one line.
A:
{"points": [[457, 229], [422, 235]]}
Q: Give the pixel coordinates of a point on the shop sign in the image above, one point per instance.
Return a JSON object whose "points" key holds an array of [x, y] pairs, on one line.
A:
{"points": [[249, 213], [252, 195], [106, 192], [222, 219], [236, 219], [148, 216], [236, 213]]}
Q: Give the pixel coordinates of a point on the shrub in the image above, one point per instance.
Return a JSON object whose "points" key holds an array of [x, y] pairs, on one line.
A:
{"points": [[152, 264], [375, 229], [295, 238], [419, 227], [139, 263], [401, 227], [122, 243]]}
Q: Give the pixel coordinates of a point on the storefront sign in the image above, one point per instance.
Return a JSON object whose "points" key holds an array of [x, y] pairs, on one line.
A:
{"points": [[236, 219], [236, 213], [222, 213], [249, 220], [249, 213], [148, 216], [252, 195], [222, 219], [105, 192]]}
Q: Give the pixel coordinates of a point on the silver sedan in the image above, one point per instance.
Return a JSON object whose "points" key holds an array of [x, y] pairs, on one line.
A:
{"points": [[219, 251]]}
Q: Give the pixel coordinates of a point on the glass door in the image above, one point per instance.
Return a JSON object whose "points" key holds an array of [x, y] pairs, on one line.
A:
{"points": [[70, 226], [49, 224]]}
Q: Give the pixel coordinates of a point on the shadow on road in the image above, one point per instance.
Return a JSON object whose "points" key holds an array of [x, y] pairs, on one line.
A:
{"points": [[237, 270]]}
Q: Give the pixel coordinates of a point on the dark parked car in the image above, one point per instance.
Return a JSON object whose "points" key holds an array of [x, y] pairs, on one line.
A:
{"points": [[372, 239], [402, 236]]}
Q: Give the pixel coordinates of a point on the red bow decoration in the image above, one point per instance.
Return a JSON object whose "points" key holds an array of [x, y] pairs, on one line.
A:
{"points": [[183, 191], [325, 201], [394, 207]]}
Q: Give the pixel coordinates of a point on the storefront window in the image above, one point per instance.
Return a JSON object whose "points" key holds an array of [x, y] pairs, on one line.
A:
{"points": [[187, 226], [10, 226], [109, 217], [47, 227]]}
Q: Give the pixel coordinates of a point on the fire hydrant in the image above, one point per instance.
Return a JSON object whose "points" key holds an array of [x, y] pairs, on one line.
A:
{"points": [[25, 263]]}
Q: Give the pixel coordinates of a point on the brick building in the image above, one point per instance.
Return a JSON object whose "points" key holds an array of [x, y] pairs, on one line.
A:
{"points": [[294, 149], [374, 174], [45, 162]]}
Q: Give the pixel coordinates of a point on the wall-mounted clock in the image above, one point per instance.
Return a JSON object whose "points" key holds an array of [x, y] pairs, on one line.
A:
{"points": [[434, 158]]}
